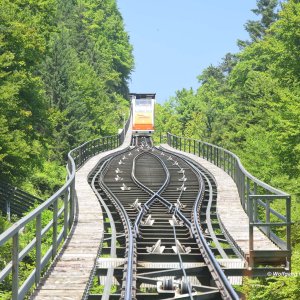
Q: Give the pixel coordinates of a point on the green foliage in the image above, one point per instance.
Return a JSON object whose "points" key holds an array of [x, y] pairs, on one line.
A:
{"points": [[98, 288], [64, 67], [279, 288], [266, 9], [46, 179]]}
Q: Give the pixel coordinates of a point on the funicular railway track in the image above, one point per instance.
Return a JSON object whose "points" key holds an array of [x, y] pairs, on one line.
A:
{"points": [[161, 235]]}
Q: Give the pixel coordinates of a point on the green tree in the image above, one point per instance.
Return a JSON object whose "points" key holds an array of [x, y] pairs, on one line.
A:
{"points": [[267, 10], [64, 67]]}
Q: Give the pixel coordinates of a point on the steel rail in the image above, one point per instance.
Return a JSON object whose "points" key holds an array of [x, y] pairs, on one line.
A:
{"points": [[157, 195], [215, 269], [148, 190], [95, 173], [208, 213], [197, 168], [211, 231], [221, 280], [229, 291], [151, 200], [218, 274], [110, 272], [180, 260], [130, 237]]}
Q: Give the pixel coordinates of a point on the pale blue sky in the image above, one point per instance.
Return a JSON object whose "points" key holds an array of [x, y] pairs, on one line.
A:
{"points": [[174, 40]]}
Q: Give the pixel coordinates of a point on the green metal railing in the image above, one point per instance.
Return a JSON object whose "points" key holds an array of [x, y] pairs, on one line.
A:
{"points": [[63, 212], [257, 198]]}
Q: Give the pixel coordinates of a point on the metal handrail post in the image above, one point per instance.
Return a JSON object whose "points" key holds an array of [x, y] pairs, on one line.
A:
{"points": [[243, 190], [72, 203], [15, 266], [251, 242], [38, 245], [228, 163], [247, 189], [54, 233], [289, 223], [65, 199], [194, 147], [268, 229]]}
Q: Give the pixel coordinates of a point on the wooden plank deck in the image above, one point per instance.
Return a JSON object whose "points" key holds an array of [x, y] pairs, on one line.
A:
{"points": [[229, 208], [69, 275]]}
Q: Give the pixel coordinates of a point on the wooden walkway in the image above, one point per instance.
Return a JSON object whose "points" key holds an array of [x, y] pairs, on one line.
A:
{"points": [[229, 208], [69, 275]]}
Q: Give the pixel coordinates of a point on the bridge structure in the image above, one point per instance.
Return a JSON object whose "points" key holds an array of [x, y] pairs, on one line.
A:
{"points": [[180, 220]]}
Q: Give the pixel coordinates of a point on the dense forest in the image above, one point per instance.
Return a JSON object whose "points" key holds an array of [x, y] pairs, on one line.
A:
{"points": [[249, 104], [64, 66]]}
